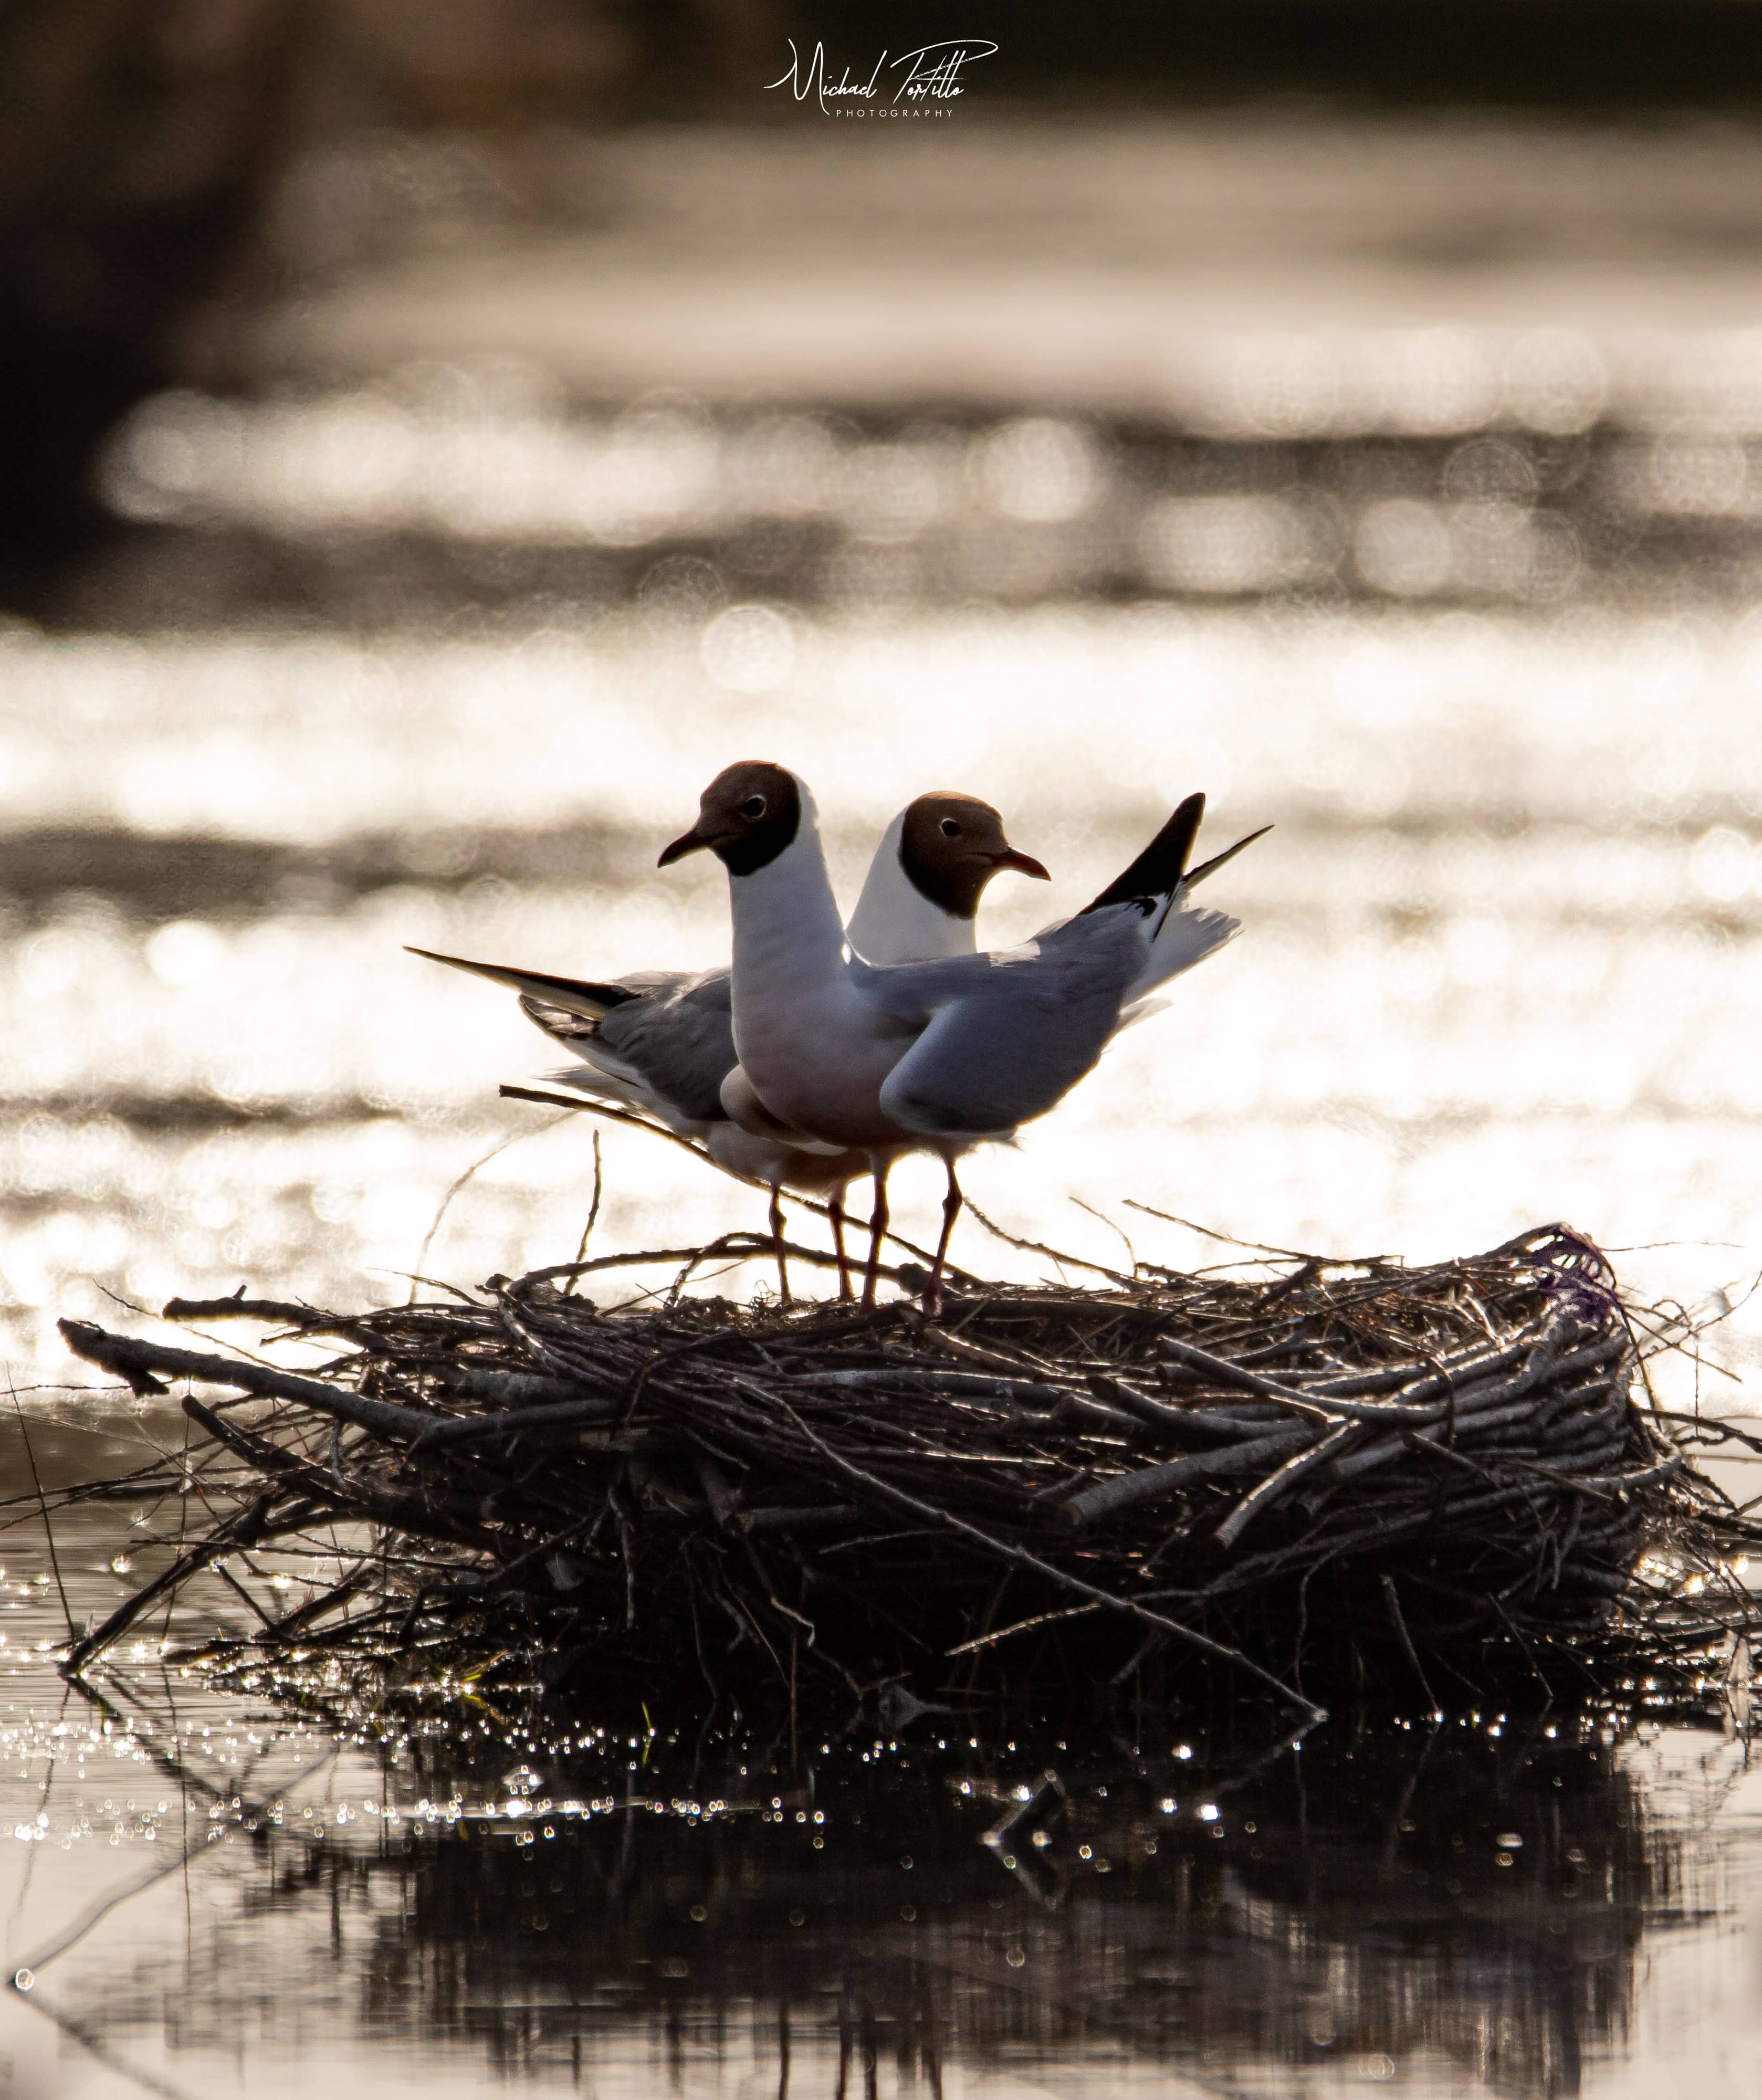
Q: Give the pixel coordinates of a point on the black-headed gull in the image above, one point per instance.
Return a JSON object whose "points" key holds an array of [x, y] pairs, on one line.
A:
{"points": [[936, 1056], [662, 1041]]}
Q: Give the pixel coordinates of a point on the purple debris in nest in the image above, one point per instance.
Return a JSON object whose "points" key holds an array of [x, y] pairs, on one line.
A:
{"points": [[1564, 1259]]}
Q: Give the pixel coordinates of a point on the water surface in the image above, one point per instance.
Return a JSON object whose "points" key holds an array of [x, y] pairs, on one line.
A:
{"points": [[1394, 536]]}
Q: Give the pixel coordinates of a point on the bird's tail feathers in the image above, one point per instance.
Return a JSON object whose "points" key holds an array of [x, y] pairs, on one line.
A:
{"points": [[1186, 937]]}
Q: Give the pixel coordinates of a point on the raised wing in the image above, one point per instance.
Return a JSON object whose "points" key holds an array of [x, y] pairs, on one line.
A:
{"points": [[1162, 868], [1011, 1039], [1157, 872], [1182, 936]]}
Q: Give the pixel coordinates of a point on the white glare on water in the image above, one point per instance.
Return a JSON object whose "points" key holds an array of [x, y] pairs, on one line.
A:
{"points": [[1503, 956]]}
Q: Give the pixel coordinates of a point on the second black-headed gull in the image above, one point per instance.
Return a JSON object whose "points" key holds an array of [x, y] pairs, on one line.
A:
{"points": [[662, 1041], [936, 1056]]}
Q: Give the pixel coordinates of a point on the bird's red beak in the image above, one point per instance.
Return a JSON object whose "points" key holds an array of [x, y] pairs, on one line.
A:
{"points": [[1023, 863], [687, 842]]}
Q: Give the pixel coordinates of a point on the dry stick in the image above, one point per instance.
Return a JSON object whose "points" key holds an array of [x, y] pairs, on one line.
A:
{"points": [[137, 1360], [743, 1246], [957, 1346], [1464, 1381], [1277, 1484], [234, 1584], [1542, 1361], [1393, 1601], [1052, 1253], [314, 1607], [1160, 1415], [983, 1384], [467, 1429], [55, 1561], [1118, 1231], [428, 1238], [1272, 1562], [132, 1360], [1230, 1239], [947, 1521], [505, 1388], [247, 1529], [355, 1498], [1146, 1483], [1023, 1626], [593, 1218], [1229, 1373], [256, 1451], [1386, 1449], [1476, 1361], [273, 1310]]}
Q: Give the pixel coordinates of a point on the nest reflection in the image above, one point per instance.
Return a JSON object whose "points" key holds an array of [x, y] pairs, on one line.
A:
{"points": [[1458, 1905]]}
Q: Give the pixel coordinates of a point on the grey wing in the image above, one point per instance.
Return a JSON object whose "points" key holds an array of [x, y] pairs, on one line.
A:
{"points": [[1010, 1044], [907, 993], [678, 1040]]}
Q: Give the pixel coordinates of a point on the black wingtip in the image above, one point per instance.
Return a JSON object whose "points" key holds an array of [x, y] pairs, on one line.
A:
{"points": [[607, 995], [1211, 867], [1157, 872]]}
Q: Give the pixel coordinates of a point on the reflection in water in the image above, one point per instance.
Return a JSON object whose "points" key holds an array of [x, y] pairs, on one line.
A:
{"points": [[1461, 1907]]}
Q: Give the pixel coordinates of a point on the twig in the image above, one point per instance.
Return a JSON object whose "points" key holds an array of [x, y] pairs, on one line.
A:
{"points": [[592, 1217], [1394, 1599], [999, 1549], [49, 1534], [495, 1150], [1039, 1246], [1146, 1483], [1278, 1485]]}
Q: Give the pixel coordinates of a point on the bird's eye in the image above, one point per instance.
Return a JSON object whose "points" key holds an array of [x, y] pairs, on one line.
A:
{"points": [[951, 829], [752, 806]]}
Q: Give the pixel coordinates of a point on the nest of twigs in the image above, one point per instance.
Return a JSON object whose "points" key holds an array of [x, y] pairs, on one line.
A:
{"points": [[1357, 1474]]}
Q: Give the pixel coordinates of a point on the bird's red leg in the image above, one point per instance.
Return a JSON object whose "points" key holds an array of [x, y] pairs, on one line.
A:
{"points": [[878, 1227], [776, 1234], [835, 1213], [933, 1291]]}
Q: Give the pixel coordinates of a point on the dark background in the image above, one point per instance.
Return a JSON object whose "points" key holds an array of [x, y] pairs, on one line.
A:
{"points": [[143, 141]]}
